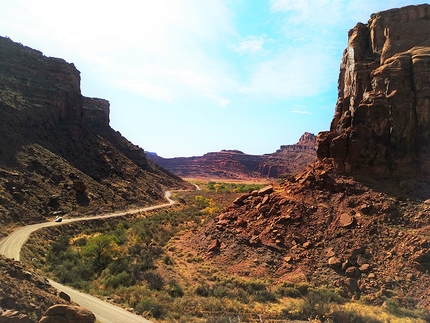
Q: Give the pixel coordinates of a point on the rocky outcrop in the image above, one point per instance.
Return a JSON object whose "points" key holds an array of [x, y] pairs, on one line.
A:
{"points": [[324, 225], [67, 314], [381, 126], [18, 283], [290, 159], [47, 87], [96, 111], [234, 164], [58, 154]]}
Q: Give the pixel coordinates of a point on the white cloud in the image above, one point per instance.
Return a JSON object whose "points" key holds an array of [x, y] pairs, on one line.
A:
{"points": [[300, 111], [223, 102], [310, 12], [291, 73], [251, 44], [160, 49]]}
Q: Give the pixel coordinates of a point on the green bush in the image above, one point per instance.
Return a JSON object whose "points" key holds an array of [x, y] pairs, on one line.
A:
{"points": [[286, 291], [264, 296], [150, 306], [154, 280], [220, 292], [175, 290], [203, 290], [302, 288], [319, 301], [393, 307], [122, 279]]}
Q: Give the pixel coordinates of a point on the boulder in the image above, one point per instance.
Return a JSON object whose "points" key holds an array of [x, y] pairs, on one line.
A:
{"points": [[64, 296], [334, 262], [61, 313], [265, 190], [12, 316], [214, 246], [79, 186], [345, 220]]}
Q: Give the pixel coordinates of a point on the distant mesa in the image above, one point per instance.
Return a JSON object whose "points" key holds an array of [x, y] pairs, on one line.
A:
{"points": [[234, 164]]}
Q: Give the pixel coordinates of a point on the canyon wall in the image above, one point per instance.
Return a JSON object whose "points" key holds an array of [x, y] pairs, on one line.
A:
{"points": [[381, 125]]}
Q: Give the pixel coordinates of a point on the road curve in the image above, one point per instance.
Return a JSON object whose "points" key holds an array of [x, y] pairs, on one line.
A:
{"points": [[104, 311]]}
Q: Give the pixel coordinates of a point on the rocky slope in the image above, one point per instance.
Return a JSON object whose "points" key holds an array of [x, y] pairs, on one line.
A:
{"points": [[234, 164], [24, 295], [354, 219], [58, 154]]}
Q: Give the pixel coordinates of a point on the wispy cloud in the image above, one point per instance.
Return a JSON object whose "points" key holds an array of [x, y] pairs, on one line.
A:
{"points": [[251, 44], [160, 49], [300, 111], [290, 73]]}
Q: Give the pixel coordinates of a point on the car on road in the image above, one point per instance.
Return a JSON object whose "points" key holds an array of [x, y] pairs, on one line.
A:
{"points": [[58, 219]]}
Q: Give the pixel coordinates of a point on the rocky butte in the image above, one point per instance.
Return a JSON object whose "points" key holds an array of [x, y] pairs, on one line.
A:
{"points": [[381, 126], [357, 218]]}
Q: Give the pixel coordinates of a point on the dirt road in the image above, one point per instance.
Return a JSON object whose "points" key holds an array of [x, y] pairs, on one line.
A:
{"points": [[104, 311]]}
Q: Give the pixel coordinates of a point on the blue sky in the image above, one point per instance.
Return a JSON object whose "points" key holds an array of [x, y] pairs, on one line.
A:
{"points": [[186, 77]]}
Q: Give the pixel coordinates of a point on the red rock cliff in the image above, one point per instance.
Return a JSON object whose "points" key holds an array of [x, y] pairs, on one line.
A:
{"points": [[381, 125]]}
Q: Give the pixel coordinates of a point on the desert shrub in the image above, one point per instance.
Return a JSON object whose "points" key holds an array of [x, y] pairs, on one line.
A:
{"points": [[80, 242], [393, 307], [167, 260], [60, 245], [287, 291], [174, 290], [220, 318], [84, 270], [318, 302], [150, 306], [302, 288], [203, 290], [154, 280], [253, 286], [220, 292], [122, 279], [119, 265], [63, 272], [264, 296]]}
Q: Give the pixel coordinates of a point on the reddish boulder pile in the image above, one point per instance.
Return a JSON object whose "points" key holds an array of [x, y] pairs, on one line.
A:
{"points": [[353, 218]]}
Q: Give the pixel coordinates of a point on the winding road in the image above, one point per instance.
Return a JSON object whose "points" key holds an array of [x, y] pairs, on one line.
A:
{"points": [[104, 311]]}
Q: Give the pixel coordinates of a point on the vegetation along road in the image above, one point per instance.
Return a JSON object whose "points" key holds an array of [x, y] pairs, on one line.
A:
{"points": [[105, 312]]}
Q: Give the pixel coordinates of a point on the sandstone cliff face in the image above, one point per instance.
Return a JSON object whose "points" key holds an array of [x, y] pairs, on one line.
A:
{"points": [[324, 225], [234, 164], [43, 86], [58, 154], [290, 159], [381, 126], [96, 111]]}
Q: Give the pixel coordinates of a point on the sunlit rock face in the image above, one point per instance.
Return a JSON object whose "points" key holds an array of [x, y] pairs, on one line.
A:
{"points": [[381, 125]]}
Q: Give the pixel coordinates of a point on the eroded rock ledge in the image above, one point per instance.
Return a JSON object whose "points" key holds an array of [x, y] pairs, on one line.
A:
{"points": [[381, 125]]}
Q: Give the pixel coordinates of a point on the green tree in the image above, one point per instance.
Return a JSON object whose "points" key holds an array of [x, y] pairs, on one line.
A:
{"points": [[101, 249]]}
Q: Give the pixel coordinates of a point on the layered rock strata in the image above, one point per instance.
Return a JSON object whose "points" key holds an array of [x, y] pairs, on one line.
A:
{"points": [[234, 164], [381, 125]]}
